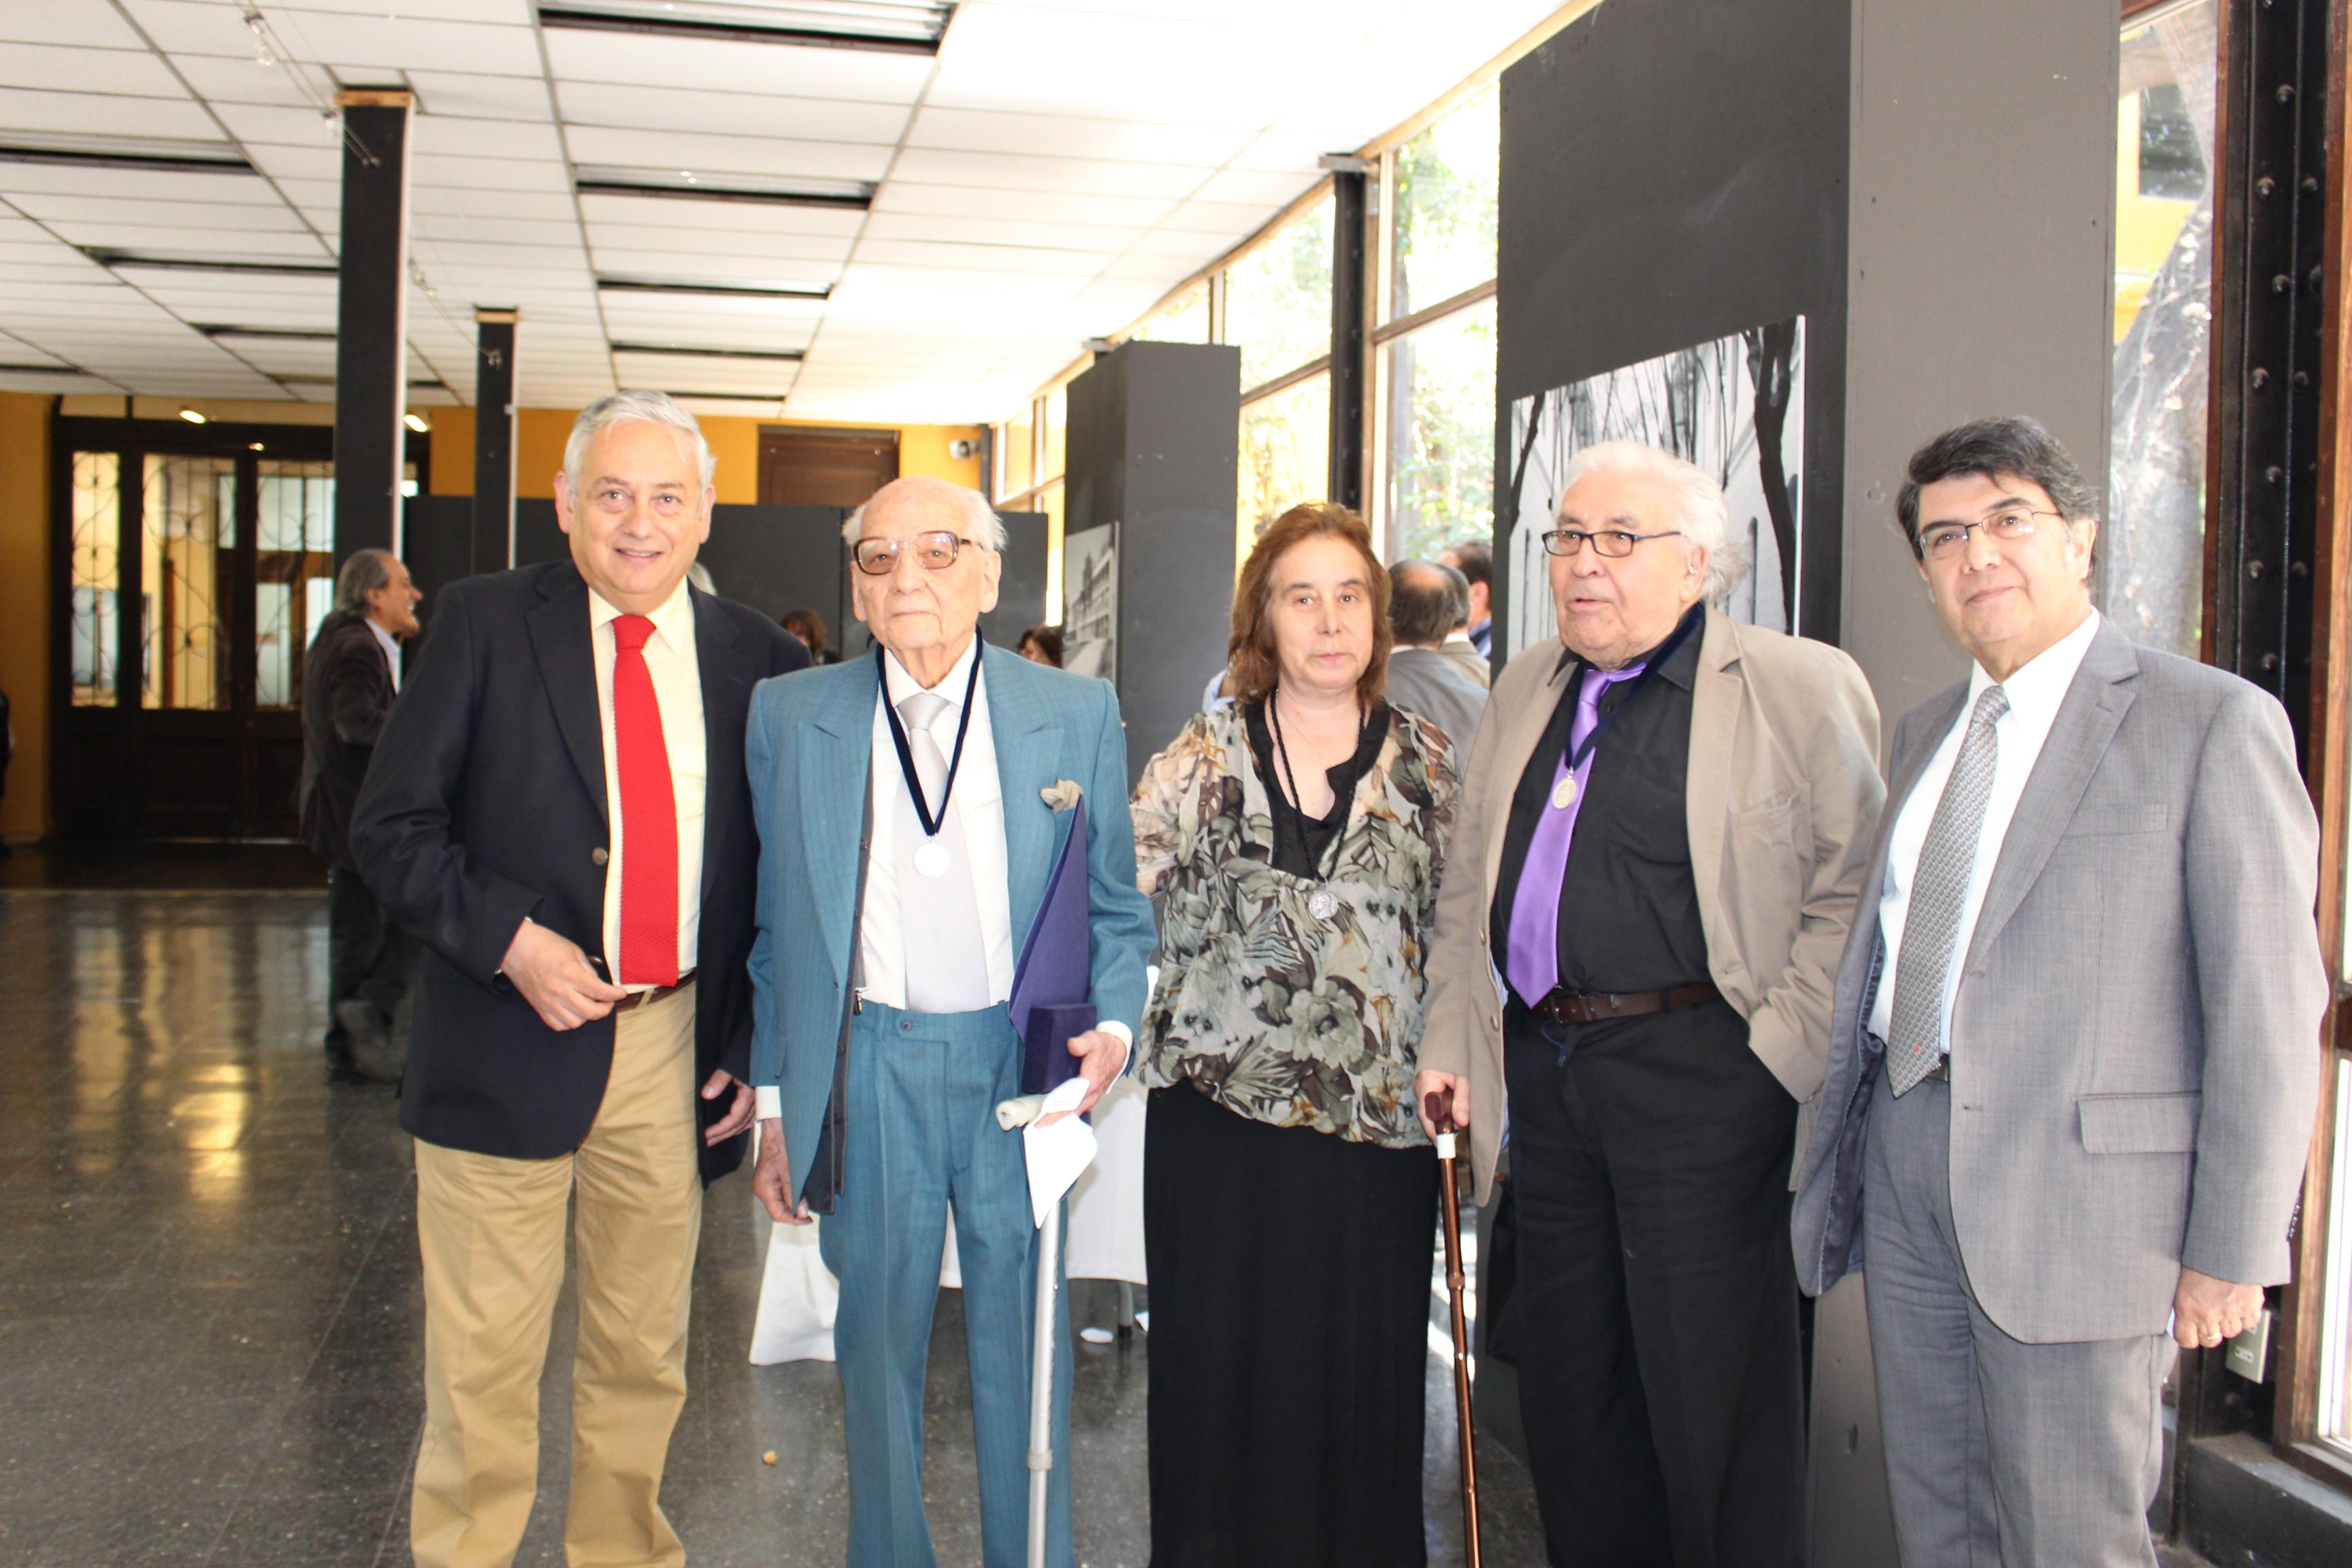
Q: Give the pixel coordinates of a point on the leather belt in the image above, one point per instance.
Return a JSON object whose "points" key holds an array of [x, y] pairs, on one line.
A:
{"points": [[658, 994], [1566, 1007]]}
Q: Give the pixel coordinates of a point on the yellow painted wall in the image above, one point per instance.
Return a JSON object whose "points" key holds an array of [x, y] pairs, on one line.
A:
{"points": [[539, 435], [25, 606]]}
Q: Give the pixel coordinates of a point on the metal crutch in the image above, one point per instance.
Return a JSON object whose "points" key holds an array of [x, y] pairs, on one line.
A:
{"points": [[1010, 1114], [1439, 1108]]}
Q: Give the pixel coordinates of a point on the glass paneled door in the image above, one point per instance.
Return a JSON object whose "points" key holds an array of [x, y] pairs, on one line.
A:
{"points": [[197, 565]]}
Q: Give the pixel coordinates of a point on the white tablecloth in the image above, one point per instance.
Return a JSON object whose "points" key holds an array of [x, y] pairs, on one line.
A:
{"points": [[798, 1296]]}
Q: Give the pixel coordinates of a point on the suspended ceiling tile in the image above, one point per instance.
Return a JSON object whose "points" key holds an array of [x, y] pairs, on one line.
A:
{"points": [[11, 380], [198, 221], [87, 22], [133, 73], [675, 372], [1218, 218], [223, 78], [963, 257], [314, 163], [928, 229], [468, 201], [1043, 135], [361, 48], [660, 221], [476, 96], [731, 114], [467, 137], [1244, 187], [899, 194], [699, 65], [482, 229], [135, 184], [191, 27], [1098, 62], [487, 173], [258, 125], [1090, 175], [18, 353], [101, 114], [514, 13], [768, 269], [225, 244], [712, 156], [20, 272]]}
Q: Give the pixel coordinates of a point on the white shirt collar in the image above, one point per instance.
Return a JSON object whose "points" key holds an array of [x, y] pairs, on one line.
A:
{"points": [[2037, 687], [897, 685], [673, 623], [390, 644]]}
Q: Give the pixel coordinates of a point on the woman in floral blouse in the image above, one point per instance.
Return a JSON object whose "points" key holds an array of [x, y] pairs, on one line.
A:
{"points": [[1296, 840]]}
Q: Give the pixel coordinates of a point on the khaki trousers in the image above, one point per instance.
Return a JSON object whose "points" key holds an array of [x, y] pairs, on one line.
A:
{"points": [[492, 1234]]}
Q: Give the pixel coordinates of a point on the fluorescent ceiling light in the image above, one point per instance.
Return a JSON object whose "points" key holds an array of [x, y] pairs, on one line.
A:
{"points": [[898, 27], [672, 351], [270, 334], [805, 292], [728, 396], [415, 422], [186, 155], [192, 417], [139, 259], [685, 184]]}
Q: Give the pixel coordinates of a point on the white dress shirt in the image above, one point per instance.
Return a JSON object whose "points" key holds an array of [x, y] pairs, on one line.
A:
{"points": [[978, 798], [384, 640], [676, 671], [2035, 691]]}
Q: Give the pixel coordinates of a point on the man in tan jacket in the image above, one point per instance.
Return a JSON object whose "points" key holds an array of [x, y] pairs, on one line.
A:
{"points": [[1656, 861]]}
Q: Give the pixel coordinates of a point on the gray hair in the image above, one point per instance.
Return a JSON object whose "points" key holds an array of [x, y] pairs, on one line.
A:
{"points": [[363, 572], [978, 520], [635, 406], [1700, 510]]}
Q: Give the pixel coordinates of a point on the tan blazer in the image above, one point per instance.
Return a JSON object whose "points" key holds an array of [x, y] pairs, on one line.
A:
{"points": [[1784, 790]]}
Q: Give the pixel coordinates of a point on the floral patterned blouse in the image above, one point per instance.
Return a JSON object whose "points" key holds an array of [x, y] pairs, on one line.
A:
{"points": [[1274, 1013]]}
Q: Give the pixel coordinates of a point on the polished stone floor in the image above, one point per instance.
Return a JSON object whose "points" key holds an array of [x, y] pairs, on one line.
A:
{"points": [[210, 1334]]}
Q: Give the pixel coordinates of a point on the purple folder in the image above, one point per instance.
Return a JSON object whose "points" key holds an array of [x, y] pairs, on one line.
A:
{"points": [[1056, 973]]}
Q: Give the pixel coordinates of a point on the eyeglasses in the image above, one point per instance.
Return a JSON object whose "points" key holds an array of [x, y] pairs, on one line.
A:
{"points": [[937, 551], [1942, 541], [1613, 543]]}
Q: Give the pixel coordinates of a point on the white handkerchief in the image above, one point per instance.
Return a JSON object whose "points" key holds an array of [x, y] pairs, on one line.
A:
{"points": [[1059, 1153]]}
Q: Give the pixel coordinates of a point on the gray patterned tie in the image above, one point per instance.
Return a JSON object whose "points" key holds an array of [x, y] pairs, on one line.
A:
{"points": [[1938, 889]]}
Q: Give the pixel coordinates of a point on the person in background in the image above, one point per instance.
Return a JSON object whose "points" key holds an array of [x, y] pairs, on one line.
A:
{"points": [[1425, 601], [809, 627], [559, 810], [1676, 808], [1475, 559], [1041, 644], [2072, 1076], [351, 678], [1296, 840], [883, 1042]]}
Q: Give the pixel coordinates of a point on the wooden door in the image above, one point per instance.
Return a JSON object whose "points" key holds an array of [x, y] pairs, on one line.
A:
{"points": [[803, 466]]}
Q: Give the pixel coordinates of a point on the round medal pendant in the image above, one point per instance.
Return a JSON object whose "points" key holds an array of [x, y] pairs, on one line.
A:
{"points": [[1563, 794], [1322, 903], [931, 857]]}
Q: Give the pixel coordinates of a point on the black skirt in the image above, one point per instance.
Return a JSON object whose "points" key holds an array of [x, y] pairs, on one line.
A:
{"points": [[1290, 1312]]}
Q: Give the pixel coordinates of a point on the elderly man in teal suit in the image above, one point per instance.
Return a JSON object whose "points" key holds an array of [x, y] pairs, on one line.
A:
{"points": [[912, 808]]}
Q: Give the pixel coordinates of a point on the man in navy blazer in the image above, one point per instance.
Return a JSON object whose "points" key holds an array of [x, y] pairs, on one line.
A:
{"points": [[912, 808], [558, 810]]}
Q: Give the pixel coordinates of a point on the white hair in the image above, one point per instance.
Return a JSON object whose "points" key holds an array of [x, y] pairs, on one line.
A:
{"points": [[978, 520], [634, 407], [1700, 511]]}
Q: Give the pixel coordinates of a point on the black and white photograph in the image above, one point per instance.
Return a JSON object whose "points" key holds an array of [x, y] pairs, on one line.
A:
{"points": [[1090, 601]]}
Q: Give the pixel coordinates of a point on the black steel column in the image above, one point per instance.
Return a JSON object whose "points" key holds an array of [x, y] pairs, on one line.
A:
{"points": [[1348, 363], [494, 423], [371, 321], [2262, 490]]}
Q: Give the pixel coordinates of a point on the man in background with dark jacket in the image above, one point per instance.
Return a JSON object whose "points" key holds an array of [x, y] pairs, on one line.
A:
{"points": [[351, 677]]}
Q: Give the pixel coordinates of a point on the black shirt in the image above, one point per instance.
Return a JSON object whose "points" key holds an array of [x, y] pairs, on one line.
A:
{"points": [[1302, 844], [1628, 903]]}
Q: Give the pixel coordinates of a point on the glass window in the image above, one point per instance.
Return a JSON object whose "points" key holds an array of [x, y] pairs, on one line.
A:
{"points": [[1440, 425], [1184, 320], [1285, 444], [1278, 301], [97, 580], [293, 575], [1057, 429], [1015, 453], [2153, 582], [1442, 228], [191, 530]]}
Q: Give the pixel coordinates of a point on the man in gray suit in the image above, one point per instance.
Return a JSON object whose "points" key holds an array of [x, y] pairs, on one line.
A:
{"points": [[1425, 602], [2074, 1063]]}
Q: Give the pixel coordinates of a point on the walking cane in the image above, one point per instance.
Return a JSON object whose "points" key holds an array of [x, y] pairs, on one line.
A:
{"points": [[1010, 1114], [1439, 1108]]}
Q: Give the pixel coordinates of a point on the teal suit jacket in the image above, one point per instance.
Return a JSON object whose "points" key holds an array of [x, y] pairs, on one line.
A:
{"points": [[810, 752]]}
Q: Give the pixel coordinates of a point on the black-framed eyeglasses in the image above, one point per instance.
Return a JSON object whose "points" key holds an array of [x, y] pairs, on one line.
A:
{"points": [[1613, 543], [937, 550], [1942, 541]]}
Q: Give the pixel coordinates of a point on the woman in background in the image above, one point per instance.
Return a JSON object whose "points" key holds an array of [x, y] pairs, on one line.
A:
{"points": [[809, 627], [1042, 644], [1295, 840]]}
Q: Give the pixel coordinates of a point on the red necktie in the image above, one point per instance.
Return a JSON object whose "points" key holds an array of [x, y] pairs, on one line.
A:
{"points": [[648, 815]]}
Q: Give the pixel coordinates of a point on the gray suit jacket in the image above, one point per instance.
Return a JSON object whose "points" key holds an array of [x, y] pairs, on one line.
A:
{"points": [[1431, 685], [2135, 1032]]}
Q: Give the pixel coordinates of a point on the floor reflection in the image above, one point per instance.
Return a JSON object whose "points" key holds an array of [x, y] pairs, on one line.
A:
{"points": [[210, 1322]]}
